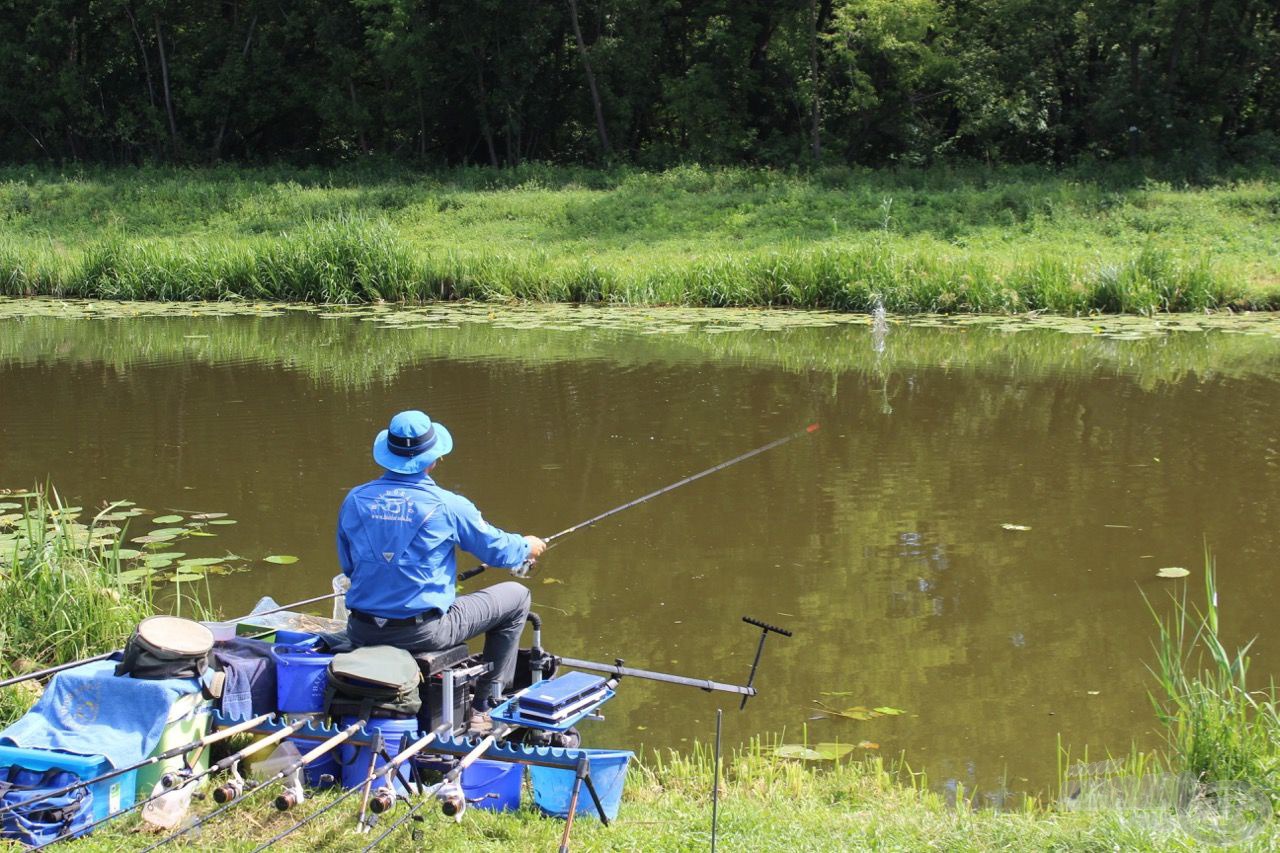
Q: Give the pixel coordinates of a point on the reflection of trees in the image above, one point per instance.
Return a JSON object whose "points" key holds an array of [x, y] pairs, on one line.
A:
{"points": [[878, 540], [352, 353]]}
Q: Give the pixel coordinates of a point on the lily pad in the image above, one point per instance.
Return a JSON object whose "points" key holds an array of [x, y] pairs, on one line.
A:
{"points": [[175, 531], [795, 750], [223, 521], [889, 712], [1008, 526], [281, 559], [1172, 572], [206, 516], [191, 562], [166, 519], [183, 577], [153, 538], [135, 575], [128, 553], [832, 751]]}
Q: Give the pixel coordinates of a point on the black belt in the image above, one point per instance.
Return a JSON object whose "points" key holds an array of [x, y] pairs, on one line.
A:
{"points": [[425, 616]]}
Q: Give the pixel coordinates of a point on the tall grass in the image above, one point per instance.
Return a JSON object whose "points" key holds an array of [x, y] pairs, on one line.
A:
{"points": [[60, 597], [1003, 240], [1218, 729]]}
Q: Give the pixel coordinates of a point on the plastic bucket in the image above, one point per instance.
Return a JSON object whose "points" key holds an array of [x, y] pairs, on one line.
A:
{"points": [[552, 787], [495, 784], [355, 759], [301, 677], [302, 639], [325, 765]]}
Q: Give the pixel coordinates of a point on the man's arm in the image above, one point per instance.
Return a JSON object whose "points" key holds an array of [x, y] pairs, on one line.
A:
{"points": [[344, 544], [494, 547]]}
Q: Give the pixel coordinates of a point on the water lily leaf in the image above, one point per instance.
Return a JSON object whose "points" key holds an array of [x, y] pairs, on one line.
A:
{"points": [[167, 519], [128, 553], [8, 505], [153, 538], [281, 559], [1172, 572], [795, 750], [205, 516], [176, 531], [889, 712], [153, 563], [832, 751], [134, 575], [1008, 526], [167, 555], [223, 521], [200, 533], [201, 561], [113, 516], [186, 578]]}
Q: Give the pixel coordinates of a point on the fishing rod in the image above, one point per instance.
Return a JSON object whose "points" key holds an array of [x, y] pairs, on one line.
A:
{"points": [[198, 743], [391, 767], [170, 781], [521, 571], [53, 670], [325, 747]]}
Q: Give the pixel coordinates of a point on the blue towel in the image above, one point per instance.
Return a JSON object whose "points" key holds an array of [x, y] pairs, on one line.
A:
{"points": [[89, 711]]}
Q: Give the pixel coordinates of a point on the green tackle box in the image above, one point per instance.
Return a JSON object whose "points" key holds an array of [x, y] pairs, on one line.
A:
{"points": [[189, 719]]}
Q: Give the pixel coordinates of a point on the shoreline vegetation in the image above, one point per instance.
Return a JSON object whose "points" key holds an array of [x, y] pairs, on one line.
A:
{"points": [[997, 240], [1222, 739]]}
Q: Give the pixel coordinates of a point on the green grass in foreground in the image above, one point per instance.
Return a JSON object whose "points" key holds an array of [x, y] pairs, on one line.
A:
{"points": [[1003, 240]]}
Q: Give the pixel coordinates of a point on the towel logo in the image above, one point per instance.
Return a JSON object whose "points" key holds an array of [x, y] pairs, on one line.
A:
{"points": [[380, 622], [390, 555]]}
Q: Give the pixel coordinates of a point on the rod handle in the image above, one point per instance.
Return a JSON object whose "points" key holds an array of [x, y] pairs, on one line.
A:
{"points": [[766, 626]]}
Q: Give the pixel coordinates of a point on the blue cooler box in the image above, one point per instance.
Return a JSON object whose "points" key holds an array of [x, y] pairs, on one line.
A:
{"points": [[109, 796]]}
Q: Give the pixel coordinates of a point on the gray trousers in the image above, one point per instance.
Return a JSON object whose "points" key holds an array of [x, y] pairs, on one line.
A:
{"points": [[498, 612]]}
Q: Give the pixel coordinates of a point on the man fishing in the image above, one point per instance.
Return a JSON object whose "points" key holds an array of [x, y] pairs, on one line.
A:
{"points": [[396, 540]]}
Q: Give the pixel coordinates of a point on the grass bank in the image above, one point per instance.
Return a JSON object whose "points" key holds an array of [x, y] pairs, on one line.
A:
{"points": [[1002, 240]]}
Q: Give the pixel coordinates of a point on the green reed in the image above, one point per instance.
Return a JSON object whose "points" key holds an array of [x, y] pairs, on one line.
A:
{"points": [[59, 581], [1216, 727]]}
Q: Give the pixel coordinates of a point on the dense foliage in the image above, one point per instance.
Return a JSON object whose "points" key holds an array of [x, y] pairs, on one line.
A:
{"points": [[499, 82]]}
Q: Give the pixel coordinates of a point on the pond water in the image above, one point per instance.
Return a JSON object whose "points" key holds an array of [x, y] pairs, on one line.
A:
{"points": [[968, 538]]}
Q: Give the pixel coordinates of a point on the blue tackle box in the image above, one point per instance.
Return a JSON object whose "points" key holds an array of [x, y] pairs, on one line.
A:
{"points": [[109, 796]]}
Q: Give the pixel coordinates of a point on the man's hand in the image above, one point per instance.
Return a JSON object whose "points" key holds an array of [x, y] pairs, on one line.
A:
{"points": [[536, 547]]}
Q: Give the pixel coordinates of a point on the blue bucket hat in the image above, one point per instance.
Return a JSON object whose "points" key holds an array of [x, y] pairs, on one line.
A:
{"points": [[410, 443]]}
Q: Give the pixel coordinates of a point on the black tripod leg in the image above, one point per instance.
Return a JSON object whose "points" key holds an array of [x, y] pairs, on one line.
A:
{"points": [[591, 789], [573, 802]]}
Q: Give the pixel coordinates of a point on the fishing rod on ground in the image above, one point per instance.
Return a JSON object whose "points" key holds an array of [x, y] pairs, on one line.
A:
{"points": [[522, 571], [172, 781], [54, 670], [198, 743], [392, 767], [324, 748]]}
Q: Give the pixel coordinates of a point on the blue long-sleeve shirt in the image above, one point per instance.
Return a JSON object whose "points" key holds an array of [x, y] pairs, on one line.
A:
{"points": [[396, 538]]}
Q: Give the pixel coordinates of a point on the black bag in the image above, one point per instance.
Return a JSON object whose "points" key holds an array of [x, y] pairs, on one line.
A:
{"points": [[373, 681], [166, 647]]}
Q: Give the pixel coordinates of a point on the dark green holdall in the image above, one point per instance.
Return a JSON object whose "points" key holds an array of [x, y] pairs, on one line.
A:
{"points": [[373, 681]]}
